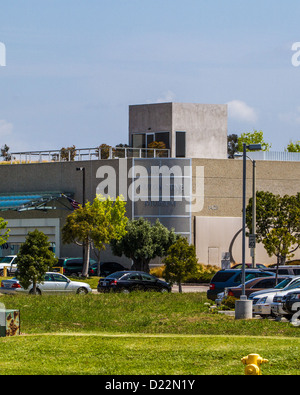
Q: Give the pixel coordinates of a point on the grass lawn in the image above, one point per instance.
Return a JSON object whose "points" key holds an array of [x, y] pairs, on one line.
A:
{"points": [[140, 334]]}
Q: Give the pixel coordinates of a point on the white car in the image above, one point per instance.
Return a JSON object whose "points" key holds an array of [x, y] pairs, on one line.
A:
{"points": [[53, 283], [262, 302], [8, 262]]}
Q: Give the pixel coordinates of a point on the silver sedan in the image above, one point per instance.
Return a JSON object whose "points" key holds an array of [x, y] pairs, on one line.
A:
{"points": [[53, 283]]}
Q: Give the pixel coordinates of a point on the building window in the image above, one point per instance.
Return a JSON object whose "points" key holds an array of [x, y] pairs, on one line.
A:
{"points": [[180, 145], [138, 140], [164, 137], [149, 139]]}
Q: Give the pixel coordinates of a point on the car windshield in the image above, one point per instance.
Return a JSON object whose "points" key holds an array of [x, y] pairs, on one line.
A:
{"points": [[283, 283], [6, 259], [116, 275], [295, 284]]}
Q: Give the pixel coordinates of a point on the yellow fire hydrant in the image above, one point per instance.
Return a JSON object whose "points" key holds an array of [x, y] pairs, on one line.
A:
{"points": [[253, 362]]}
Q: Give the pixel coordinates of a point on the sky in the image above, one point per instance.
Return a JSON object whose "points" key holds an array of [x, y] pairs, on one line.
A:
{"points": [[73, 67]]}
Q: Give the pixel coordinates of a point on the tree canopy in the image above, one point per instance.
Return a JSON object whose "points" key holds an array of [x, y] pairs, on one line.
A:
{"points": [[144, 242], [277, 223], [4, 232], [34, 259], [180, 262], [96, 223], [255, 137], [293, 147]]}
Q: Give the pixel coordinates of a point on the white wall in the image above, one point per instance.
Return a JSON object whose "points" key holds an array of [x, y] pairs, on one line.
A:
{"points": [[214, 235]]}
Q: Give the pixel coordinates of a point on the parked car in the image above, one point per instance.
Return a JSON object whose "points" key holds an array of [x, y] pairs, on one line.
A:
{"points": [[127, 281], [231, 278], [291, 302], [255, 296], [8, 262], [106, 268], [249, 266], [53, 283], [293, 270], [263, 302], [253, 285], [73, 266]]}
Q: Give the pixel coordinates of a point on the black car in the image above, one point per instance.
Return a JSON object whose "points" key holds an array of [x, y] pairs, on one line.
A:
{"points": [[289, 302], [106, 268], [127, 281]]}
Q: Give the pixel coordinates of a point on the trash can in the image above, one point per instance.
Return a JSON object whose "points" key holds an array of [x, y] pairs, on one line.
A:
{"points": [[9, 322]]}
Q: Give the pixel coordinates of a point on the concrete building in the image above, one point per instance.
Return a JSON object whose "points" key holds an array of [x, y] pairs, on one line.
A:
{"points": [[197, 192], [188, 130]]}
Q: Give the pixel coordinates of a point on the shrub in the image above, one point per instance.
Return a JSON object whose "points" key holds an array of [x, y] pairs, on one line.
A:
{"points": [[204, 273]]}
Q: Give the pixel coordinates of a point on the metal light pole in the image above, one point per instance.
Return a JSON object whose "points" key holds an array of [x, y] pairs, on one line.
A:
{"points": [[243, 307], [253, 209], [83, 201], [83, 183]]}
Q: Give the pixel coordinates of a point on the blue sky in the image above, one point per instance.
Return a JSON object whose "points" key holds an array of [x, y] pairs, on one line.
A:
{"points": [[74, 66]]}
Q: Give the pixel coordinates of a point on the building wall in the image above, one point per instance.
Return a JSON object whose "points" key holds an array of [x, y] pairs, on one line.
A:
{"points": [[217, 210], [206, 129], [205, 126]]}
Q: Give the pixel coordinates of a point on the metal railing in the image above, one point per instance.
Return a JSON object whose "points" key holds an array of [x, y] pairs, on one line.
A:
{"points": [[80, 154], [275, 156]]}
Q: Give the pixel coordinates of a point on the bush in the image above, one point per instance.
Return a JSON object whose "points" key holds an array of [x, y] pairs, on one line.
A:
{"points": [[293, 262], [229, 302], [204, 273]]}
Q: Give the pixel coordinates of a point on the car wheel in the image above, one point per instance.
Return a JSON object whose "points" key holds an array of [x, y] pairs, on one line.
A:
{"points": [[37, 292], [125, 291], [164, 290], [82, 291]]}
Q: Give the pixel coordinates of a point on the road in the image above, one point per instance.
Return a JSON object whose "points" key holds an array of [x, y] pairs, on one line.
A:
{"points": [[185, 288], [191, 288]]}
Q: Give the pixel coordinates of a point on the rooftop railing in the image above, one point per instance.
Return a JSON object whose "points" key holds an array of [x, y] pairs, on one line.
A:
{"points": [[81, 154], [275, 156]]}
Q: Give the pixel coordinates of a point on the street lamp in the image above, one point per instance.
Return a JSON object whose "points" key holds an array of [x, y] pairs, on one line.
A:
{"points": [[83, 201], [83, 183], [243, 307]]}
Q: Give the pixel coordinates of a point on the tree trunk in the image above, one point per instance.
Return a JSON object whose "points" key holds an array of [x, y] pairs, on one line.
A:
{"points": [[34, 288], [141, 265], [86, 263], [179, 287], [98, 266]]}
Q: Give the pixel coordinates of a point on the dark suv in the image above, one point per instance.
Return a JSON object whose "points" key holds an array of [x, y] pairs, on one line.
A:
{"points": [[232, 278], [106, 268], [73, 266]]}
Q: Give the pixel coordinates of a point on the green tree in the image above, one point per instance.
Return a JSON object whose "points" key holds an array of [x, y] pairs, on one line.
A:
{"points": [[232, 145], [180, 262], [293, 147], [96, 223], [4, 232], [144, 242], [68, 154], [34, 259], [255, 137], [5, 153], [277, 223]]}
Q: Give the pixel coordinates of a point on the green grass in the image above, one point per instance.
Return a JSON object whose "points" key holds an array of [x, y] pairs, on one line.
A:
{"points": [[144, 355], [140, 334]]}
